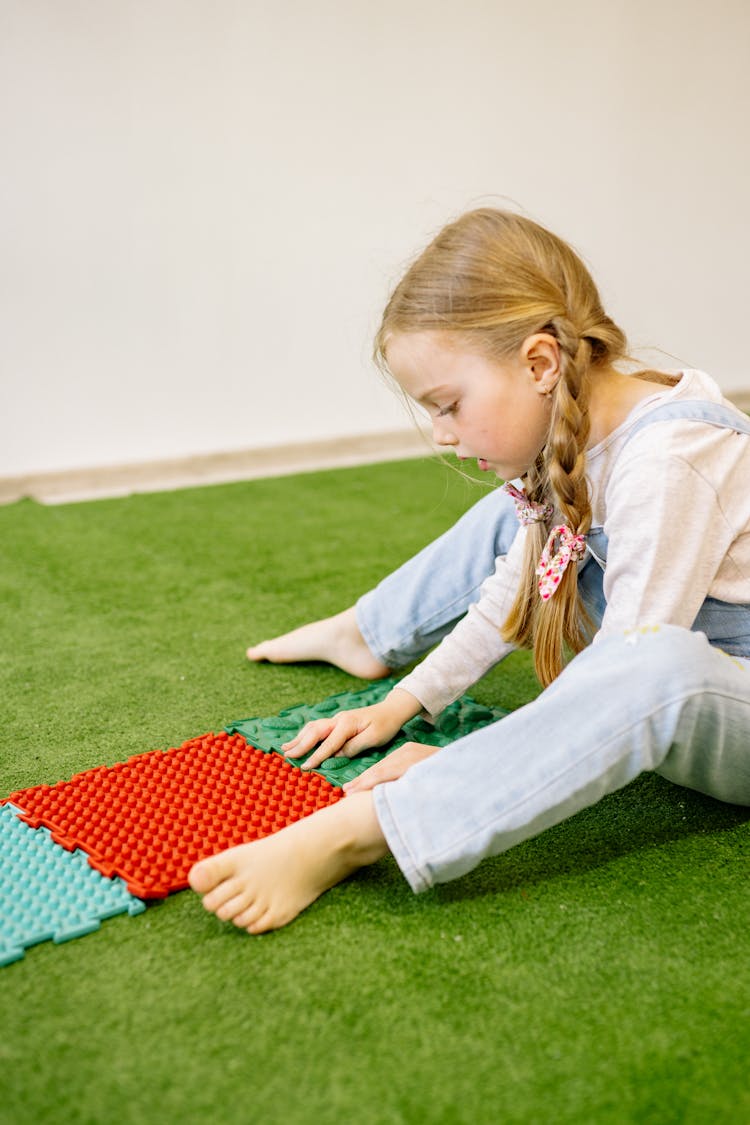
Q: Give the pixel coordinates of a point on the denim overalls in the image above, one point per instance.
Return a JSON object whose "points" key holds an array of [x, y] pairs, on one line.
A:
{"points": [[725, 625], [668, 699]]}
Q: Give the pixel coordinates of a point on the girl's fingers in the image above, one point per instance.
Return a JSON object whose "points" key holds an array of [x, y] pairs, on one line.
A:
{"points": [[317, 757], [391, 767], [346, 733], [385, 770], [338, 740], [362, 740], [310, 735], [368, 779]]}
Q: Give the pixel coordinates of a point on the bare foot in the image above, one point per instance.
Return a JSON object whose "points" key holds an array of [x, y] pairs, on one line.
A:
{"points": [[265, 884], [335, 640]]}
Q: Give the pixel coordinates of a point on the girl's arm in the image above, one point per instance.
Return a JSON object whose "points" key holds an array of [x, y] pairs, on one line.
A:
{"points": [[462, 658], [475, 644], [471, 649]]}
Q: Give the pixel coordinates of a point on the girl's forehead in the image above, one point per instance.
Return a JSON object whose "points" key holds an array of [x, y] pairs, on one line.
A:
{"points": [[422, 363], [417, 349], [430, 366]]}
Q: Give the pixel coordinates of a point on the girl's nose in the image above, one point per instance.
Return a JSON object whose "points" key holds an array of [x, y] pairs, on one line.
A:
{"points": [[442, 432]]}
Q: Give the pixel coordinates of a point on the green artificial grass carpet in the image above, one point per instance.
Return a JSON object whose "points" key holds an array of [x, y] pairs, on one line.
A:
{"points": [[595, 974]]}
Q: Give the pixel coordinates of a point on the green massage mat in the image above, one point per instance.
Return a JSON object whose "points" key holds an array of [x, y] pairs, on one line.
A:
{"points": [[268, 734]]}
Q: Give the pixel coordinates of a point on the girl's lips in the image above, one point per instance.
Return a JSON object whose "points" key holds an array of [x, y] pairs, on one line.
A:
{"points": [[483, 464]]}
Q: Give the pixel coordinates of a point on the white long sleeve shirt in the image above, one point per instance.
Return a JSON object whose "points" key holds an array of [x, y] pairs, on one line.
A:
{"points": [[674, 503]]}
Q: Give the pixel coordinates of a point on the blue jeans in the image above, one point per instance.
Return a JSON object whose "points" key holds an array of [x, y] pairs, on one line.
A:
{"points": [[413, 608], [667, 699]]}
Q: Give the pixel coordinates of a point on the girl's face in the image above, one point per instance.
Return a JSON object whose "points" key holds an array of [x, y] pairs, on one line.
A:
{"points": [[497, 412]]}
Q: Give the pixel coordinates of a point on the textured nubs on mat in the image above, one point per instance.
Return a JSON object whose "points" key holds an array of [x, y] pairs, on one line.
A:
{"points": [[47, 893], [151, 818]]}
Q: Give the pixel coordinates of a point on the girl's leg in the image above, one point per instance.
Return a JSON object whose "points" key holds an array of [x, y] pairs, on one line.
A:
{"points": [[416, 606], [413, 608], [665, 700]]}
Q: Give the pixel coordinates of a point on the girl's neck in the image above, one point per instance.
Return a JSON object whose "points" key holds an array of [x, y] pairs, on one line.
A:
{"points": [[614, 394]]}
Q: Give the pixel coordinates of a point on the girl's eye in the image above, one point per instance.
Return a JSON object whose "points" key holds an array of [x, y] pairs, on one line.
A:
{"points": [[444, 410]]}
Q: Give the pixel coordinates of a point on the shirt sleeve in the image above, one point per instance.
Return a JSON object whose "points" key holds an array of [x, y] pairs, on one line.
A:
{"points": [[475, 644], [667, 536]]}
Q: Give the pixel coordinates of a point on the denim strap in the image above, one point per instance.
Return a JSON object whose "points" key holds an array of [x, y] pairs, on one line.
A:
{"points": [[697, 410]]}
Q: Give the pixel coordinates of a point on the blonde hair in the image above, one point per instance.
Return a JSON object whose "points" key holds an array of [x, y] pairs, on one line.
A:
{"points": [[493, 278]]}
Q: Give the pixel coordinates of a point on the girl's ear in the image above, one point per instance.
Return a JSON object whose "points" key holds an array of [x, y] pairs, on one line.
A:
{"points": [[540, 355]]}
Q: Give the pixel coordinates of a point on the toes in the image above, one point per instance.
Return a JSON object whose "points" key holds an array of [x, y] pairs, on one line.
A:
{"points": [[259, 919], [233, 907], [209, 873], [221, 895], [262, 924], [250, 916]]}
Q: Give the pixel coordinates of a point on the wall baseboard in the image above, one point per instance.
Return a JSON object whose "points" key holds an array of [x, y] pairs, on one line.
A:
{"points": [[741, 399], [72, 485]]}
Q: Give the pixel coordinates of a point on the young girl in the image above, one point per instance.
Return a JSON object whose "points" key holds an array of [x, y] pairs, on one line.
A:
{"points": [[624, 541]]}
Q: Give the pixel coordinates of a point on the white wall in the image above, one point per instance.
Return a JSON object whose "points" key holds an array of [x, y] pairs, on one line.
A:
{"points": [[203, 203]]}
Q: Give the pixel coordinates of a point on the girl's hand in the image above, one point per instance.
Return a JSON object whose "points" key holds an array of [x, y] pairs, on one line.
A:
{"points": [[350, 732], [392, 767]]}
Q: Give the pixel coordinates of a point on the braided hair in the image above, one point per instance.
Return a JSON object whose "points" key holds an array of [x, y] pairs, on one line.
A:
{"points": [[494, 278]]}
